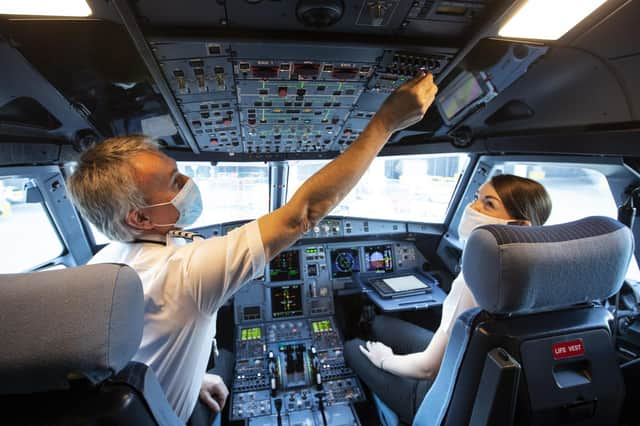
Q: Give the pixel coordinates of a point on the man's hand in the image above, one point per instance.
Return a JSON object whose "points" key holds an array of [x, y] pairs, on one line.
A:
{"points": [[377, 353], [213, 392], [407, 105]]}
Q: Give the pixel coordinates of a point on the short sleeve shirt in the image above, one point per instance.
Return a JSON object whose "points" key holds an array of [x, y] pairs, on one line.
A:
{"points": [[184, 285]]}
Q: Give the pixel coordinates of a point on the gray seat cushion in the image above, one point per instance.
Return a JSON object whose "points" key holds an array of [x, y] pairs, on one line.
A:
{"points": [[84, 321]]}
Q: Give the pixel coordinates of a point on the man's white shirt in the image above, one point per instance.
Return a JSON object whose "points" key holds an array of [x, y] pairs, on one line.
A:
{"points": [[184, 286]]}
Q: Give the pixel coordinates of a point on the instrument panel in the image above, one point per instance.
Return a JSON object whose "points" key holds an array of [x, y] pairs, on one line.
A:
{"points": [[300, 282], [290, 365]]}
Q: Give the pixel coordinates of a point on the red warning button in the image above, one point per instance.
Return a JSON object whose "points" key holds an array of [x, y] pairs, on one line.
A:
{"points": [[568, 349]]}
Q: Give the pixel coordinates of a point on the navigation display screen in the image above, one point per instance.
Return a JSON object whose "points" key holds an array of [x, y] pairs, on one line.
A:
{"points": [[378, 258], [344, 262], [285, 266], [286, 301]]}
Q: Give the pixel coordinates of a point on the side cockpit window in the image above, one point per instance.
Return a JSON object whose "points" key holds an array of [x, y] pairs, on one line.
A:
{"points": [[29, 238]]}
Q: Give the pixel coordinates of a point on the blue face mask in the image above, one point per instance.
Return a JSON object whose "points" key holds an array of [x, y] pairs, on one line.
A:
{"points": [[188, 202]]}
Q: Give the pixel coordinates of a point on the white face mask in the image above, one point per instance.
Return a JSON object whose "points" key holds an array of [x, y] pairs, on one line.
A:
{"points": [[188, 202], [471, 219]]}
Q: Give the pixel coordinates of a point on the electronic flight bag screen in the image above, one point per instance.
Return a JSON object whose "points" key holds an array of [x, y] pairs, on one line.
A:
{"points": [[378, 258], [286, 301], [344, 262], [285, 266]]}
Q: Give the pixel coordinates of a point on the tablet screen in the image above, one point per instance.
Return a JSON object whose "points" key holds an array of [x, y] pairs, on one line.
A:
{"points": [[407, 283]]}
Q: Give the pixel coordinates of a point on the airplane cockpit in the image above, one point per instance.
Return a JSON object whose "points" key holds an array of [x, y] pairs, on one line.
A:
{"points": [[251, 98]]}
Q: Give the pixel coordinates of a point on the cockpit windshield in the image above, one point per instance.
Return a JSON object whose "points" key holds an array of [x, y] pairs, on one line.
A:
{"points": [[416, 188]]}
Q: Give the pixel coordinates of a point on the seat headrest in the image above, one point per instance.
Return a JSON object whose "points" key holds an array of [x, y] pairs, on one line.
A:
{"points": [[521, 269], [56, 324]]}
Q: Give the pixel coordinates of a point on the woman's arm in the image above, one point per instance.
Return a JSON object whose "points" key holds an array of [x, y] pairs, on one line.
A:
{"points": [[418, 365]]}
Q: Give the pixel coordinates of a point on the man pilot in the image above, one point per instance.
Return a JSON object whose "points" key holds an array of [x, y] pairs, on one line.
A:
{"points": [[134, 194]]}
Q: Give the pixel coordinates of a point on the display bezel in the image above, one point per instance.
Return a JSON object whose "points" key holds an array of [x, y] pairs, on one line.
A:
{"points": [[367, 263], [487, 93], [333, 254], [288, 277], [280, 313]]}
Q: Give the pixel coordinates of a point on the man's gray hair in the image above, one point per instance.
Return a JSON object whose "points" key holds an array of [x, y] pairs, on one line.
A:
{"points": [[103, 186]]}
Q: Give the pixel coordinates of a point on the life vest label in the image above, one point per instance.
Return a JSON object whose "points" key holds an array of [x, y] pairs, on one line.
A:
{"points": [[568, 349]]}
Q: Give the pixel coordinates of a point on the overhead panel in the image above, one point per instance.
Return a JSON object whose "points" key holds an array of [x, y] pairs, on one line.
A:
{"points": [[281, 98]]}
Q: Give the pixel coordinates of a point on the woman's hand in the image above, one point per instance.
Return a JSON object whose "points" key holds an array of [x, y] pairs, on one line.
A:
{"points": [[377, 352]]}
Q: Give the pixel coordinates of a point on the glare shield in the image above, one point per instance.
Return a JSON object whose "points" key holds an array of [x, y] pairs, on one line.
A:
{"points": [[547, 19], [71, 8]]}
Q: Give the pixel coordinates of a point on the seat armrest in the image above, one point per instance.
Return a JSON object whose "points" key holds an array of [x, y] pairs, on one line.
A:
{"points": [[495, 403], [434, 407], [143, 379]]}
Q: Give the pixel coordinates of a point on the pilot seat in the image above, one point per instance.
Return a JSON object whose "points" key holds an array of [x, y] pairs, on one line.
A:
{"points": [[67, 338], [538, 350]]}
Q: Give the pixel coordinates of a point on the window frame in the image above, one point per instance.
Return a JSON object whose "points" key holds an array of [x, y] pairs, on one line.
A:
{"points": [[63, 216]]}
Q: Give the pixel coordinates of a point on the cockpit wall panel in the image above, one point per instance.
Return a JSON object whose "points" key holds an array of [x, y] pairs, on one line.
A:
{"points": [[567, 87]]}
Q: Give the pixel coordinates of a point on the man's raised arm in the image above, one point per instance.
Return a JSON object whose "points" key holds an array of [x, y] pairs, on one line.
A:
{"points": [[325, 189]]}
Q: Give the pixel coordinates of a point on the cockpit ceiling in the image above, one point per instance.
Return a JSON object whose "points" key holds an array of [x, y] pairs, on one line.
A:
{"points": [[446, 20]]}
